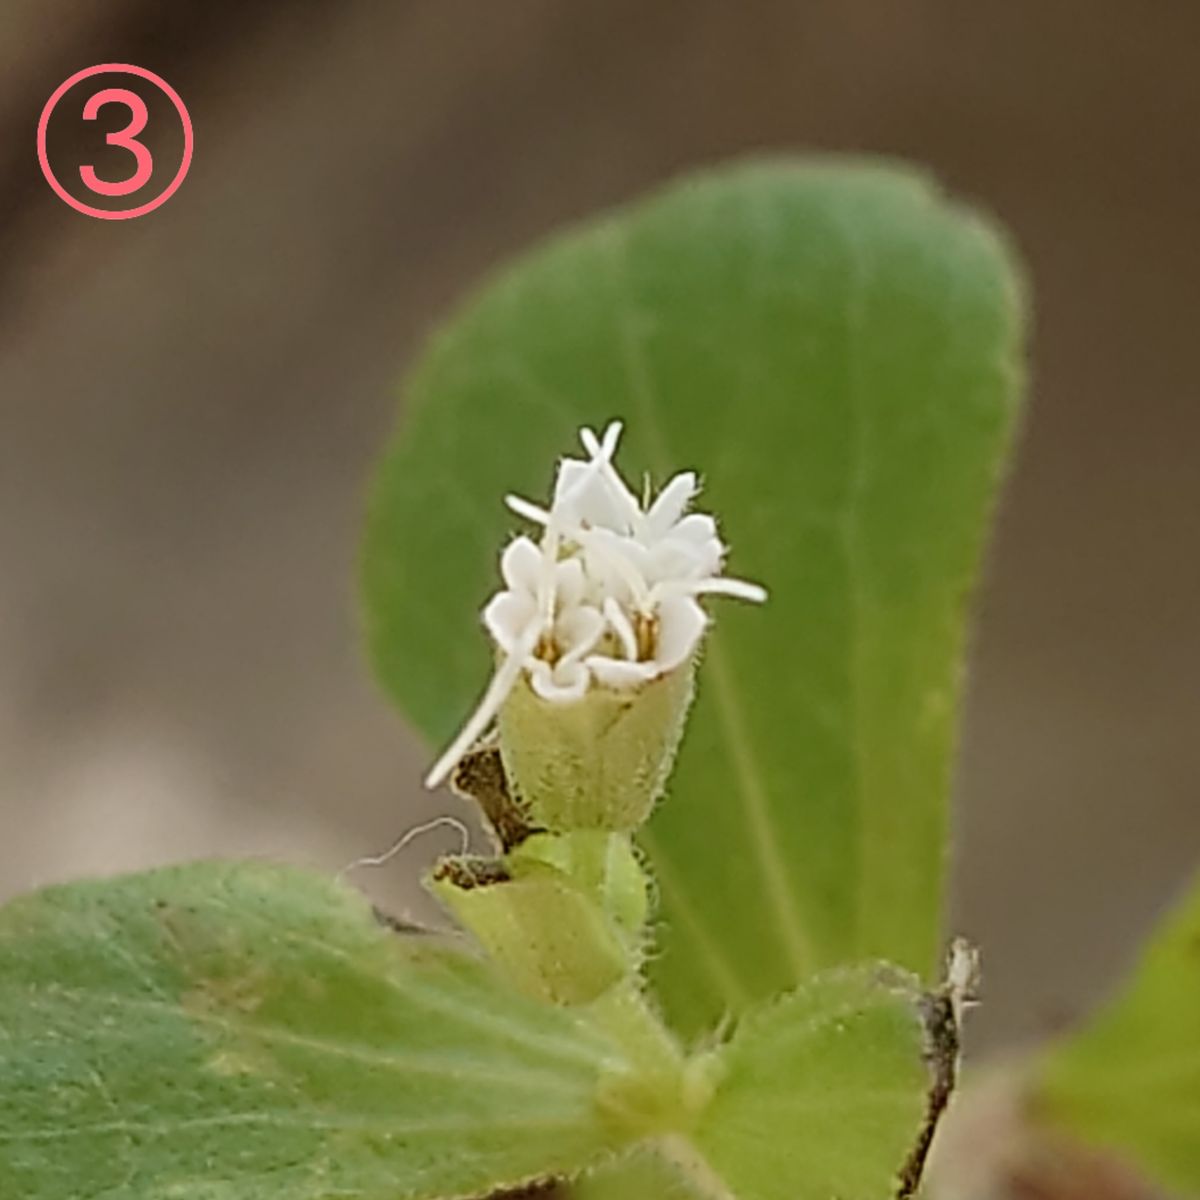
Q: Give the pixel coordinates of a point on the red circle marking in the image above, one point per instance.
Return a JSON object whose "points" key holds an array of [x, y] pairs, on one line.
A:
{"points": [[106, 214]]}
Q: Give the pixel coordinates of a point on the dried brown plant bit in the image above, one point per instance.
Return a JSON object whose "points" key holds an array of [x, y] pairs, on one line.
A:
{"points": [[480, 777], [540, 1189], [469, 871], [942, 1012]]}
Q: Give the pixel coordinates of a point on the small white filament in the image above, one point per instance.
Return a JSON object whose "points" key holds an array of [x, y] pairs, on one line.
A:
{"points": [[406, 839]]}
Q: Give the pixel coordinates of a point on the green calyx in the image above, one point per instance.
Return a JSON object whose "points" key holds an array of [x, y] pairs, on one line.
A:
{"points": [[599, 762]]}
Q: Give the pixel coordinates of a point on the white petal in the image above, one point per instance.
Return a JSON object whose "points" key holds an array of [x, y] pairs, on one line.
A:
{"points": [[681, 624], [607, 446], [570, 582], [573, 474], [618, 673], [507, 616], [521, 564], [623, 512], [674, 559], [560, 684], [696, 528], [617, 563], [578, 630], [584, 495], [710, 556], [669, 506], [707, 555], [631, 553]]}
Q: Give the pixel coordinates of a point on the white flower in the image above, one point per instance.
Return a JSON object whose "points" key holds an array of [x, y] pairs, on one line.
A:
{"points": [[570, 624], [607, 597]]}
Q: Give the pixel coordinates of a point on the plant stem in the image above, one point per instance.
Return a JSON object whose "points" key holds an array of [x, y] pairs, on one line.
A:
{"points": [[695, 1168], [624, 1013]]}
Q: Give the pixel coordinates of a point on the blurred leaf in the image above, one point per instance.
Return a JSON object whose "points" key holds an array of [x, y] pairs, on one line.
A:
{"points": [[824, 1094], [836, 348], [221, 1032], [1130, 1080]]}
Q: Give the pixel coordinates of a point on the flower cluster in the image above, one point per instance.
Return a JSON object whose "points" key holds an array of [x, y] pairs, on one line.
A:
{"points": [[608, 594]]}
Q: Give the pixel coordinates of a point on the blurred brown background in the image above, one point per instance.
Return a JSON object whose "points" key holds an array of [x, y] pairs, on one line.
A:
{"points": [[190, 403]]}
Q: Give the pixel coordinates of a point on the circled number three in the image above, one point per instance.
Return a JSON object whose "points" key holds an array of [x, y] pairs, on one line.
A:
{"points": [[125, 138]]}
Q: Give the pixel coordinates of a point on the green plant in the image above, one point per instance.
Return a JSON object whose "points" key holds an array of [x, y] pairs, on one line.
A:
{"points": [[732, 992]]}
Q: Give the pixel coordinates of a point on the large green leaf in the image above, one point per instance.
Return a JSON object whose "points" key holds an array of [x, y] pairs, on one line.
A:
{"points": [[1130, 1080], [824, 1093], [227, 1032], [836, 348]]}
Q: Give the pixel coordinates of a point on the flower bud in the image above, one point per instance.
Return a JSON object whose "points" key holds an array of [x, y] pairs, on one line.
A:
{"points": [[596, 631]]}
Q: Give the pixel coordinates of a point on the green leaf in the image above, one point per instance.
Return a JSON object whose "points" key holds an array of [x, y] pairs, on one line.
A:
{"points": [[252, 1033], [821, 1094], [836, 348], [1130, 1080], [643, 1175], [824, 1093]]}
